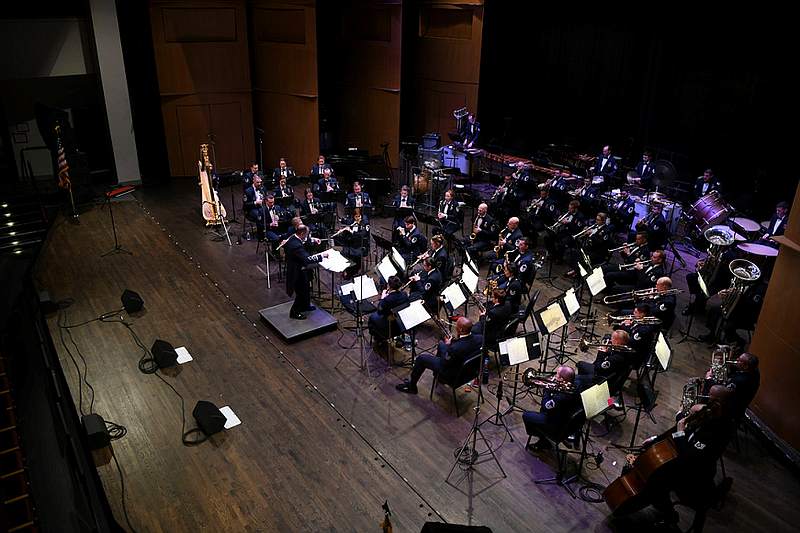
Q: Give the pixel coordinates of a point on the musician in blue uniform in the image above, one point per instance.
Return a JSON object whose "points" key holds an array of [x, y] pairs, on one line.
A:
{"points": [[558, 402], [567, 225], [706, 184], [401, 203], [411, 242], [312, 206], [391, 297], [656, 226], [494, 318], [358, 199], [485, 232], [605, 165], [777, 225], [318, 170], [623, 210], [247, 181], [448, 213], [596, 245], [426, 284], [450, 355], [283, 171], [645, 169]]}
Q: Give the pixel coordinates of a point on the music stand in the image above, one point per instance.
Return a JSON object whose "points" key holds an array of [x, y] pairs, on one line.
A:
{"points": [[285, 201], [663, 353], [230, 182], [358, 290], [647, 401], [116, 193], [410, 315], [514, 352], [548, 320], [596, 400]]}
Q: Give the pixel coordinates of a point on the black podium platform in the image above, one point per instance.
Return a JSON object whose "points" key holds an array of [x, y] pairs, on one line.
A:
{"points": [[317, 322]]}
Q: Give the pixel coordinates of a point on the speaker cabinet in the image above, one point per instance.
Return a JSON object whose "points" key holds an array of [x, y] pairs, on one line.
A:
{"points": [[208, 417], [164, 354], [96, 431], [131, 301]]}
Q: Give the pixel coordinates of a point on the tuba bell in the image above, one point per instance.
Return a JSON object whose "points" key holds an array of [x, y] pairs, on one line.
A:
{"points": [[719, 239], [745, 273]]}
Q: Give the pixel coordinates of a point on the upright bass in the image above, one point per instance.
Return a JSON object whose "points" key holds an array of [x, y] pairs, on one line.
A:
{"points": [[213, 210]]}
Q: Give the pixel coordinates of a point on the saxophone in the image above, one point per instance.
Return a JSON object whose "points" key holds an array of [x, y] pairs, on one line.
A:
{"points": [[502, 238]]}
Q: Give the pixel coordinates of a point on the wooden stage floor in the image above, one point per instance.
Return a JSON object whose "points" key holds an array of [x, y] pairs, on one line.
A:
{"points": [[319, 448]]}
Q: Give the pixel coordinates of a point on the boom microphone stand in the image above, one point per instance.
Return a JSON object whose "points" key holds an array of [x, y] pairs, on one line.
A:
{"points": [[467, 454]]}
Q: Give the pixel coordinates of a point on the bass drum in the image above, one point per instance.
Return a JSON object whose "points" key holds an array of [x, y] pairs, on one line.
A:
{"points": [[709, 210]]}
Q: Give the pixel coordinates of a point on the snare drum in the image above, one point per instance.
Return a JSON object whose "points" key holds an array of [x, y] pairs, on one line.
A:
{"points": [[709, 210]]}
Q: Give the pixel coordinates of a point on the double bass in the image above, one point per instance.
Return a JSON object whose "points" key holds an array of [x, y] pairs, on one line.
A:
{"points": [[630, 492], [213, 210]]}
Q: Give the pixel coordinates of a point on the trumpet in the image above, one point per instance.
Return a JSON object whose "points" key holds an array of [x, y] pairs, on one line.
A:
{"points": [[611, 320], [643, 294], [586, 230], [535, 205], [584, 345], [530, 379], [629, 266], [632, 245], [500, 189]]}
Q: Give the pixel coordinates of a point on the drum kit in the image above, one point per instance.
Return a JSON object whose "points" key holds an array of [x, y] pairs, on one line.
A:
{"points": [[712, 210]]}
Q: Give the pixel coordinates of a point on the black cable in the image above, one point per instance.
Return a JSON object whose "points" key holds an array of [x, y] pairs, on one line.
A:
{"points": [[122, 491]]}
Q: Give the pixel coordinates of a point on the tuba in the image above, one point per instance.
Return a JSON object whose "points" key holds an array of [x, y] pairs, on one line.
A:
{"points": [[745, 273], [691, 395], [719, 364], [719, 239]]}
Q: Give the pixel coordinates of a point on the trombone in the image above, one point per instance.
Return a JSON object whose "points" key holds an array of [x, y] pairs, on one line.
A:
{"points": [[586, 230], [643, 294], [611, 320], [584, 345], [530, 379]]}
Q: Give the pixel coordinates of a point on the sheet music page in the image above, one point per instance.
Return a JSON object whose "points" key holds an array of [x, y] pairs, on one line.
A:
{"points": [[663, 351], [335, 262], [385, 268], [516, 349], [703, 286], [364, 287], [413, 315], [470, 279], [596, 281], [454, 295], [553, 317], [582, 271], [571, 299], [596, 399], [398, 259]]}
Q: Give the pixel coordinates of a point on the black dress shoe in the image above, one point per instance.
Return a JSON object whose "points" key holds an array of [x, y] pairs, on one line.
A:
{"points": [[310, 308], [540, 445], [406, 387], [297, 316]]}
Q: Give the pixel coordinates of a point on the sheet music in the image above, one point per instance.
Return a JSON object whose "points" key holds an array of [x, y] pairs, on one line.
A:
{"points": [[553, 317], [335, 262], [386, 268], [571, 299], [703, 286], [470, 278], [454, 295], [596, 399], [582, 271], [663, 351], [596, 281], [398, 259], [363, 287], [413, 315], [516, 349]]}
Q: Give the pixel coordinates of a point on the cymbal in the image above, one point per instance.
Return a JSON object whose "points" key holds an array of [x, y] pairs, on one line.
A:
{"points": [[433, 163], [664, 176], [656, 196]]}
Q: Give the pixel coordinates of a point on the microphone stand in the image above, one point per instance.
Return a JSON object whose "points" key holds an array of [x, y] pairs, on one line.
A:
{"points": [[467, 455]]}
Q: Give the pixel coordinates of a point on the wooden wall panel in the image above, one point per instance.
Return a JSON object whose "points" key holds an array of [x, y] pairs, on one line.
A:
{"points": [[189, 121], [200, 46], [203, 66], [285, 81], [368, 109], [446, 65], [776, 341]]}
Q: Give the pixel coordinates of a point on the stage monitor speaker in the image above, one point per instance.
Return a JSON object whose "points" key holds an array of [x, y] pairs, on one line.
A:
{"points": [[131, 301], [208, 417], [96, 431], [46, 303], [164, 354], [438, 527]]}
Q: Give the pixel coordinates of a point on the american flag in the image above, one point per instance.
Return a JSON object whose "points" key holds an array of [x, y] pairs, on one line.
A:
{"points": [[63, 176]]}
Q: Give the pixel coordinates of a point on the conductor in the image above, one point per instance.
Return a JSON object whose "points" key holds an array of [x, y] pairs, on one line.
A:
{"points": [[297, 261]]}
